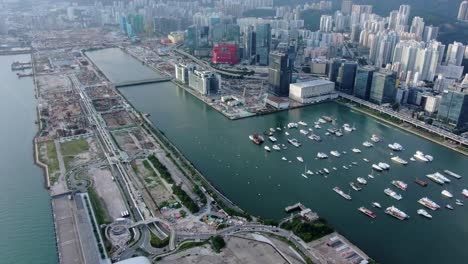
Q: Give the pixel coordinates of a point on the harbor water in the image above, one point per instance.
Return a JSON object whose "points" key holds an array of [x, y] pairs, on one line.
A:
{"points": [[26, 224], [263, 184]]}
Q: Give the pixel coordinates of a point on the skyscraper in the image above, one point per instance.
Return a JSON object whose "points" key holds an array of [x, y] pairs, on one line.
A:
{"points": [[453, 108], [345, 78], [363, 82], [403, 16], [279, 73], [262, 43], [383, 88], [326, 23], [346, 7], [417, 26], [455, 53], [430, 33], [463, 11]]}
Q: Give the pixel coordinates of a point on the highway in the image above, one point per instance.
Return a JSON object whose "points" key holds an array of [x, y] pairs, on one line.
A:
{"points": [[417, 123]]}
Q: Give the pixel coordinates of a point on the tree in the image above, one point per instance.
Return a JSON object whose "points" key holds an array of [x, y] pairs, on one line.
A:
{"points": [[217, 243], [396, 106], [429, 121]]}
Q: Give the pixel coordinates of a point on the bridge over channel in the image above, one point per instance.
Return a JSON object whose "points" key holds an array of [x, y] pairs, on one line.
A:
{"points": [[143, 81]]}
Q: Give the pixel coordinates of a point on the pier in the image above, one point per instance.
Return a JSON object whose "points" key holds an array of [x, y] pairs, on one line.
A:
{"points": [[415, 122], [294, 207], [144, 81]]}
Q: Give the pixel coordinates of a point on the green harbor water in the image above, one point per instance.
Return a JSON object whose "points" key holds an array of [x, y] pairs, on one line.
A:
{"points": [[263, 184], [26, 224]]}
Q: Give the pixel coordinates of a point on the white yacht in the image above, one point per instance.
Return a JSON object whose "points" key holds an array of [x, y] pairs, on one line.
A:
{"points": [[424, 213], [356, 150], [367, 144], [284, 158], [447, 194], [361, 180], [399, 160], [300, 159], [383, 165], [420, 156], [304, 132], [376, 167], [292, 125], [376, 204], [302, 123], [322, 155], [286, 133], [267, 148], [276, 147], [375, 138], [273, 139], [335, 153], [395, 146]]}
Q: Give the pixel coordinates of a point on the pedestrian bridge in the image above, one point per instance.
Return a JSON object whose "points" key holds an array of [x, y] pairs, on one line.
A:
{"points": [[142, 81]]}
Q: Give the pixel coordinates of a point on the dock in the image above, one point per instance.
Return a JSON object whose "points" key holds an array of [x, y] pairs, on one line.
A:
{"points": [[294, 207]]}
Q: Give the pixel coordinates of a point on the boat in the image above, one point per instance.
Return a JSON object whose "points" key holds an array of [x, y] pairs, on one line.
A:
{"points": [[302, 123], [335, 153], [376, 167], [424, 213], [338, 133], [334, 168], [309, 172], [305, 176], [400, 185], [344, 167], [367, 212], [322, 155], [283, 146], [356, 150], [376, 204], [273, 139], [375, 138], [370, 176], [361, 180], [465, 193], [435, 179], [383, 165], [399, 160], [395, 147], [397, 213], [256, 139], [392, 194], [354, 163], [420, 182], [267, 148], [284, 158], [453, 174], [276, 147], [292, 125], [304, 132], [320, 172], [267, 133], [448, 206], [326, 170], [286, 133], [347, 128], [442, 177], [327, 134], [300, 159], [367, 144], [355, 186], [420, 156], [429, 203], [429, 157], [447, 194], [327, 118], [278, 128], [315, 137], [340, 192], [322, 121], [459, 202], [331, 130], [366, 160], [294, 142]]}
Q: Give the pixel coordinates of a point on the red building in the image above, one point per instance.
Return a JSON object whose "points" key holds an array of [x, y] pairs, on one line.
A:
{"points": [[225, 54]]}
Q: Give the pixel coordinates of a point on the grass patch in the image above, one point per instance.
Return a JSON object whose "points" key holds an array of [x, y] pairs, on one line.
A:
{"points": [[49, 157], [161, 168], [217, 243], [185, 199], [75, 147], [308, 231], [158, 243], [99, 211], [189, 245]]}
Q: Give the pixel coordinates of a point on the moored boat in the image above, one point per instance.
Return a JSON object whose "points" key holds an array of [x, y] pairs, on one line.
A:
{"points": [[395, 146], [424, 213], [294, 142], [397, 213], [367, 212], [420, 182], [376, 167], [361, 180], [420, 156], [304, 132], [384, 165], [435, 179], [335, 153], [300, 159], [376, 204], [256, 139], [341, 193], [392, 194], [267, 148], [322, 155], [459, 202], [447, 194], [276, 147], [272, 139], [448, 206], [399, 160], [355, 186], [375, 138], [400, 185], [465, 193], [356, 150], [302, 123], [453, 174], [367, 144], [429, 203]]}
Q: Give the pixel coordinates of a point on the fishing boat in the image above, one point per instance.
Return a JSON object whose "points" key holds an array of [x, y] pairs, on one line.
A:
{"points": [[420, 182]]}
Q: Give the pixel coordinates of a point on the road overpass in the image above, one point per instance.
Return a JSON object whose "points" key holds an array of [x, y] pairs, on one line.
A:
{"points": [[405, 118], [143, 81]]}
